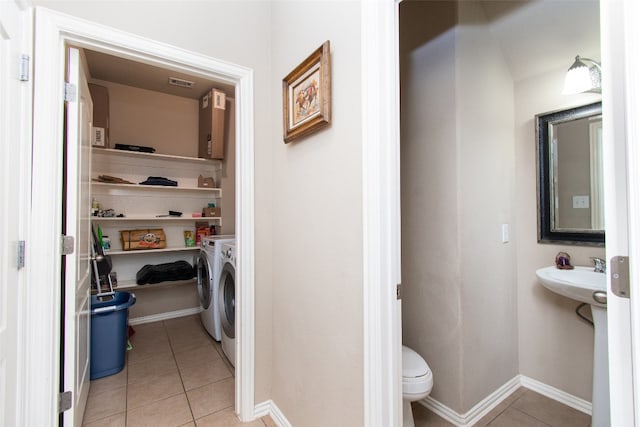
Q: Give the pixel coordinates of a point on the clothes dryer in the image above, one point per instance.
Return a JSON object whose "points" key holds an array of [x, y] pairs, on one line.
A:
{"points": [[209, 266], [227, 301]]}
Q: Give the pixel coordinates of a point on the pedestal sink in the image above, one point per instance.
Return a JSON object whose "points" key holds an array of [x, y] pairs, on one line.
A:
{"points": [[585, 285]]}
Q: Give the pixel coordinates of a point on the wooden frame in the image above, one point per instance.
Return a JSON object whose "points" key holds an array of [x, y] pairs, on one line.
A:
{"points": [[306, 95], [547, 232]]}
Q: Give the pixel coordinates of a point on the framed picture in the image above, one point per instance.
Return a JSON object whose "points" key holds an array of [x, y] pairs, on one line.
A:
{"points": [[306, 93]]}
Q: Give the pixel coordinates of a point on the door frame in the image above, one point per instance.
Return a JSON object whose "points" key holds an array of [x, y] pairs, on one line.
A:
{"points": [[53, 31], [620, 90], [381, 213]]}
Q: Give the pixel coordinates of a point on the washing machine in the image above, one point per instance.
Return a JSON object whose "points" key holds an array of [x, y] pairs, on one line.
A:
{"points": [[209, 267], [227, 301]]}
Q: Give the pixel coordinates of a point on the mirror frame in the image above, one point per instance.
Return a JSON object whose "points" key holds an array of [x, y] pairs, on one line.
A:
{"points": [[545, 233]]}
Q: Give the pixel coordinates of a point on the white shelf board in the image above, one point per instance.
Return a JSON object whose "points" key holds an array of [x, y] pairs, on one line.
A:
{"points": [[141, 155], [149, 251], [131, 284], [154, 187], [154, 218]]}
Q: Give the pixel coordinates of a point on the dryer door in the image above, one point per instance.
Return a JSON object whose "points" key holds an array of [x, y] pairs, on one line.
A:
{"points": [[205, 287], [227, 300]]}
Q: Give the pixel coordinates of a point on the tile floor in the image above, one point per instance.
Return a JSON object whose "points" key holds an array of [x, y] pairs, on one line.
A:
{"points": [[523, 408], [175, 375]]}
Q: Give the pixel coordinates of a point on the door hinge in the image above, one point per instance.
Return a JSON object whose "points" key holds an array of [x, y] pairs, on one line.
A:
{"points": [[620, 276], [68, 245], [20, 254], [70, 92], [399, 291], [65, 401], [24, 67]]}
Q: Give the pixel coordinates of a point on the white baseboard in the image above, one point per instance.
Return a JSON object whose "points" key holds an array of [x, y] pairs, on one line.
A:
{"points": [[270, 408], [556, 394], [164, 316], [494, 399], [474, 414]]}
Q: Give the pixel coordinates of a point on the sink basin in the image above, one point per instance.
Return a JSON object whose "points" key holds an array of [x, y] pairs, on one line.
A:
{"points": [[578, 284]]}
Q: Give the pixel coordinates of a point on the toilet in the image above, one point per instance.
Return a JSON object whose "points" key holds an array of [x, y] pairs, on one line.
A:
{"points": [[417, 382]]}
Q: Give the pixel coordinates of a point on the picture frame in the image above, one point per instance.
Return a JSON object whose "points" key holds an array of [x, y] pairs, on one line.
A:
{"points": [[306, 95]]}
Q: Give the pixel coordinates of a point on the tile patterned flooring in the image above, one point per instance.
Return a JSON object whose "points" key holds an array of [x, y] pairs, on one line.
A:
{"points": [[175, 375], [523, 408]]}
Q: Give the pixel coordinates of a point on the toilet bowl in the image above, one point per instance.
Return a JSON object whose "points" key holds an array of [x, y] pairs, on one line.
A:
{"points": [[417, 382]]}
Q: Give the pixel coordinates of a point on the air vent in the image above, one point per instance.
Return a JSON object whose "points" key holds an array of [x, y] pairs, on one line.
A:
{"points": [[181, 83]]}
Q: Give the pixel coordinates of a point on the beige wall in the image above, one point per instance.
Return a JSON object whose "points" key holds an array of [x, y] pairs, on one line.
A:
{"points": [[223, 30], [574, 177], [459, 305], [484, 95], [317, 238], [167, 123], [309, 330], [555, 346], [431, 311], [472, 306]]}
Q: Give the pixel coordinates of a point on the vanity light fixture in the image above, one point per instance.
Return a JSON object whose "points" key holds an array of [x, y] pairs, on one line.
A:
{"points": [[583, 78]]}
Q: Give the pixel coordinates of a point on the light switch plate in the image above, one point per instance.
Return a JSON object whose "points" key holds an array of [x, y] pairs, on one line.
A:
{"points": [[581, 202]]}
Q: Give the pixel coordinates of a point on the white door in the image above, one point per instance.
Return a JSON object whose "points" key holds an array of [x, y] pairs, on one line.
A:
{"points": [[621, 132], [76, 223], [15, 120]]}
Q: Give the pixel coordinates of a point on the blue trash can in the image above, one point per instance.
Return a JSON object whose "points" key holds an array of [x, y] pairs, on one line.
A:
{"points": [[109, 333]]}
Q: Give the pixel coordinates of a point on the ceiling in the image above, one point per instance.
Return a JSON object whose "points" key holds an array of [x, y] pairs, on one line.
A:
{"points": [[144, 76], [536, 36]]}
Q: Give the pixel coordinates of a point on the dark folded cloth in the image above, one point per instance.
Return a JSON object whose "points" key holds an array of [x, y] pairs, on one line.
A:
{"points": [[159, 180], [178, 270]]}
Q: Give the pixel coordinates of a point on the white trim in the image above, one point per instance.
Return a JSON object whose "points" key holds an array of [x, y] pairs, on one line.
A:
{"points": [[616, 26], [53, 30], [269, 408], [556, 394], [486, 405], [474, 414], [164, 316], [245, 240], [381, 213], [632, 92]]}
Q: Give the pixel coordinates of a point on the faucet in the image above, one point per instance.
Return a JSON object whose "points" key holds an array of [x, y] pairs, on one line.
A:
{"points": [[600, 265]]}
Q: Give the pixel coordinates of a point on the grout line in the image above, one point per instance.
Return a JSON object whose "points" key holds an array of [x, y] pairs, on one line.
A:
{"points": [[529, 415], [126, 388], [173, 354]]}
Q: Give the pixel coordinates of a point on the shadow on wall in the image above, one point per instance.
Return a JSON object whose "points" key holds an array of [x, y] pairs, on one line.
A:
{"points": [[443, 16]]}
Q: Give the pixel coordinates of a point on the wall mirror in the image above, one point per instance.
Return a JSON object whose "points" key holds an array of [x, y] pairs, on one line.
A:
{"points": [[570, 178]]}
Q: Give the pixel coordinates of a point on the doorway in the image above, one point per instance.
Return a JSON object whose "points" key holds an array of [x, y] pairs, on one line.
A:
{"points": [[54, 32]]}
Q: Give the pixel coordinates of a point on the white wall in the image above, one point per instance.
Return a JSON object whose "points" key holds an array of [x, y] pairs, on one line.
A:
{"points": [[555, 346], [459, 305], [223, 30], [317, 238]]}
